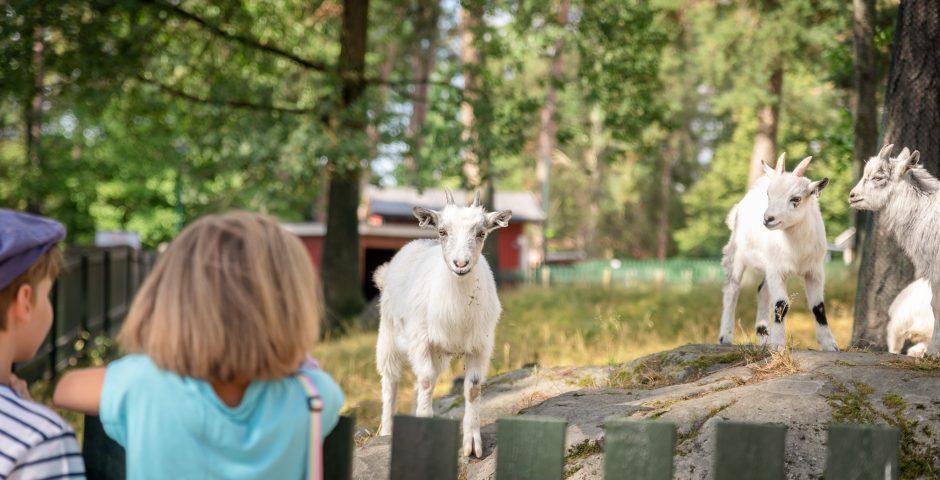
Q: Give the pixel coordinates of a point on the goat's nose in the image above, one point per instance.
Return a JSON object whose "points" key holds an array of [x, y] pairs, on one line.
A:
{"points": [[852, 195], [769, 219], [460, 263]]}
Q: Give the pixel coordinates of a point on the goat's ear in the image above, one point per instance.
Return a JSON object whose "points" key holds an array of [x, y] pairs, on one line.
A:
{"points": [[913, 160], [767, 169], [817, 186], [905, 161], [426, 218], [498, 219]]}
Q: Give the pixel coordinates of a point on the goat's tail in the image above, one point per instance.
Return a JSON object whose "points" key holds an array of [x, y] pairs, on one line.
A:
{"points": [[730, 219], [379, 276]]}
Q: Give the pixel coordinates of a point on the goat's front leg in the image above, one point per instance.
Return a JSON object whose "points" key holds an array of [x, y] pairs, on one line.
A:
{"points": [[733, 273], [814, 295], [777, 287], [764, 308], [475, 367], [933, 348], [427, 365]]}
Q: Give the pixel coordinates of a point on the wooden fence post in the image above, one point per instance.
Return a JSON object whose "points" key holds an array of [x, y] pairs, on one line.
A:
{"points": [[338, 450], [424, 448], [530, 448], [638, 449], [751, 451], [862, 452], [104, 458]]}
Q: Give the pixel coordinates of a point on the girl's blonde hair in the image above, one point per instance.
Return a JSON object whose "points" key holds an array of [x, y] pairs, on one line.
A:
{"points": [[234, 297]]}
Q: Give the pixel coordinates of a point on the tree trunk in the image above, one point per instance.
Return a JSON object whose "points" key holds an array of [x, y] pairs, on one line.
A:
{"points": [[385, 70], [912, 119], [477, 165], [422, 63], [768, 117], [595, 165], [471, 19], [865, 123], [33, 117], [341, 263], [670, 158], [548, 129]]}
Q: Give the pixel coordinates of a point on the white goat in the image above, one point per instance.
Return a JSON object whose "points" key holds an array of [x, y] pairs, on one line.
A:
{"points": [[906, 195], [911, 318], [438, 299], [777, 229]]}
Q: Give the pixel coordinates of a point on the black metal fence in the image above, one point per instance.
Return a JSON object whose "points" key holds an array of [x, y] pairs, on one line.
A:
{"points": [[90, 298]]}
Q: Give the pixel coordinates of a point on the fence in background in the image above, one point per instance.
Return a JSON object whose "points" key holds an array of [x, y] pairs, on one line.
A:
{"points": [[635, 272], [533, 448], [90, 298]]}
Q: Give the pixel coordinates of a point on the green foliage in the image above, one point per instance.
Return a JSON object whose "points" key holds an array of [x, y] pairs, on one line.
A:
{"points": [[151, 118]]}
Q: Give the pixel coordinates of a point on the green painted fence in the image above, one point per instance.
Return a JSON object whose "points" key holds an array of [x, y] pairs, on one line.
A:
{"points": [[533, 448], [613, 273]]}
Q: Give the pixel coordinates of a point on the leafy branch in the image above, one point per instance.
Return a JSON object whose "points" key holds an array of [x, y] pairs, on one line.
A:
{"points": [[245, 40]]}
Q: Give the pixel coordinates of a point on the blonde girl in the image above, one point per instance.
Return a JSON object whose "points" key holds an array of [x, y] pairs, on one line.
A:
{"points": [[214, 338]]}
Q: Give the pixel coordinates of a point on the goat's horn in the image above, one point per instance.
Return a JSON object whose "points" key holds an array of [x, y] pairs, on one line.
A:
{"points": [[449, 197], [886, 151], [476, 199], [781, 162], [801, 168]]}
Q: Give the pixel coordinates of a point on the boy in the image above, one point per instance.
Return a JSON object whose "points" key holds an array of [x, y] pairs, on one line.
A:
{"points": [[34, 441]]}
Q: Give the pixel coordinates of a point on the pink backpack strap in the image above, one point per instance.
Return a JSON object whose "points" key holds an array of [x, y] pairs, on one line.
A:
{"points": [[315, 404], [310, 363]]}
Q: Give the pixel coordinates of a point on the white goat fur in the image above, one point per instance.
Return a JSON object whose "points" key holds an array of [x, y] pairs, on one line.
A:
{"points": [[777, 229], [438, 300], [911, 319], [905, 194]]}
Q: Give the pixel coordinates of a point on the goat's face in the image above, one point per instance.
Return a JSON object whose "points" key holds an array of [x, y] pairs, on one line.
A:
{"points": [[881, 174], [789, 195], [462, 231]]}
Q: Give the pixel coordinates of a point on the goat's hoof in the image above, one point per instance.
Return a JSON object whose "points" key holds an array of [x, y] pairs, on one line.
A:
{"points": [[473, 445], [830, 347], [725, 340]]}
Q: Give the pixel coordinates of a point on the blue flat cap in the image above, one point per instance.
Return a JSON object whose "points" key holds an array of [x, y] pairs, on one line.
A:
{"points": [[23, 239]]}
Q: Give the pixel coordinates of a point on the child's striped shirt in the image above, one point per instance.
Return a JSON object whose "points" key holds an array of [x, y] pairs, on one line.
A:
{"points": [[35, 443]]}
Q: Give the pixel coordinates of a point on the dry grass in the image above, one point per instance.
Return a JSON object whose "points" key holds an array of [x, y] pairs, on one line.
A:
{"points": [[779, 363], [584, 325]]}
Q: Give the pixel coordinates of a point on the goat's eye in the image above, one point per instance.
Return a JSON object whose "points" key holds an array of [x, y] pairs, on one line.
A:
{"points": [[442, 232], [795, 201], [481, 234], [878, 178]]}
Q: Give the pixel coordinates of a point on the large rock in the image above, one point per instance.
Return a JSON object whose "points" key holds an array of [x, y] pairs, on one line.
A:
{"points": [[696, 385]]}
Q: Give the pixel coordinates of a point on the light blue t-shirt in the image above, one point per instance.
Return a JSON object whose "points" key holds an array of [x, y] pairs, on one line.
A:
{"points": [[176, 427]]}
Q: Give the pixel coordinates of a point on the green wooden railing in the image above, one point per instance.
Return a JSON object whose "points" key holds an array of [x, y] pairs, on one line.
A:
{"points": [[533, 448], [634, 272]]}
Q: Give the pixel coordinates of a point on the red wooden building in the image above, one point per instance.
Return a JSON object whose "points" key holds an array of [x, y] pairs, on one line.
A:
{"points": [[387, 224]]}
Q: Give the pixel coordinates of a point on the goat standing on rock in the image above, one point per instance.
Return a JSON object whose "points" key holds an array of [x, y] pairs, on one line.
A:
{"points": [[906, 195], [439, 300], [777, 229]]}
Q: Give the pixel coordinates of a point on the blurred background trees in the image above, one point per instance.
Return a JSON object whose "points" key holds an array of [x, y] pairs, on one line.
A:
{"points": [[636, 122]]}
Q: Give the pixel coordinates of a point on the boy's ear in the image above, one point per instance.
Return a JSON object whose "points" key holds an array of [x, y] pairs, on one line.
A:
{"points": [[22, 303]]}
